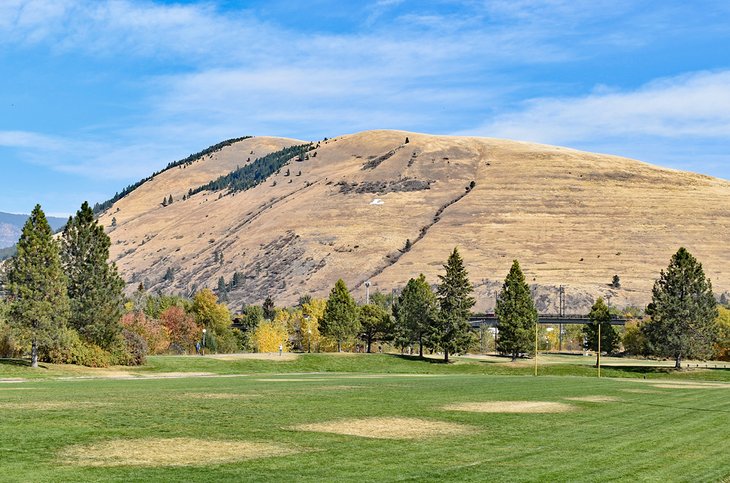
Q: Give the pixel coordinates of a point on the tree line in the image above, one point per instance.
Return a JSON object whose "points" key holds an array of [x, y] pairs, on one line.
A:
{"points": [[64, 302], [255, 172], [105, 205]]}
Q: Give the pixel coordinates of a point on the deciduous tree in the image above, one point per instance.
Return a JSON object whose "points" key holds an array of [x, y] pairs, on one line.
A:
{"points": [[600, 316], [416, 307], [376, 323]]}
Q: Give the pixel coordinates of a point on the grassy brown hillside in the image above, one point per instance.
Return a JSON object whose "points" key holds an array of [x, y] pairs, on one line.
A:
{"points": [[569, 217]]}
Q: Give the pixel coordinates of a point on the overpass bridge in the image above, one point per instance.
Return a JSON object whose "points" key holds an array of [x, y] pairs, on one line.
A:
{"points": [[490, 320]]}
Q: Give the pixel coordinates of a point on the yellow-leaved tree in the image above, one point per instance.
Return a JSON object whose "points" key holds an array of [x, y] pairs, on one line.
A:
{"points": [[722, 348], [312, 313], [216, 319], [271, 334]]}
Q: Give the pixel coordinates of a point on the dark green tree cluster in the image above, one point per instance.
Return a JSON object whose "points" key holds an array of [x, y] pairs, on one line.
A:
{"points": [[255, 172], [415, 311], [437, 321], [63, 295], [99, 207]]}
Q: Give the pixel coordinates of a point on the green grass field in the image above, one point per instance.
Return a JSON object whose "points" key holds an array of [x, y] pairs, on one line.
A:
{"points": [[59, 423]]}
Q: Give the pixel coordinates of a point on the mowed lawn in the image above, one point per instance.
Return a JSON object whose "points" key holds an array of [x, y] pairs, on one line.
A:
{"points": [[402, 423]]}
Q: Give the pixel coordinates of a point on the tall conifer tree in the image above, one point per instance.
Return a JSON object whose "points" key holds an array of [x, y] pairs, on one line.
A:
{"points": [[340, 315], [37, 286], [449, 329], [683, 311], [95, 288], [516, 314]]}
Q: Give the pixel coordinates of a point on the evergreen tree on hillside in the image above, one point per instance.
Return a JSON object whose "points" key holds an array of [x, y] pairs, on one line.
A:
{"points": [[449, 330], [95, 288], [516, 314], [682, 311], [269, 309], [37, 286], [222, 290], [600, 315], [415, 308], [340, 315]]}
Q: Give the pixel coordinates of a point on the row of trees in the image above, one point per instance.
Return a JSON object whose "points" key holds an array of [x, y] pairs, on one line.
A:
{"points": [[65, 299], [683, 319]]}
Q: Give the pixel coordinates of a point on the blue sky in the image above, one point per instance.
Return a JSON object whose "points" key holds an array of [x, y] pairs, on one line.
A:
{"points": [[96, 94]]}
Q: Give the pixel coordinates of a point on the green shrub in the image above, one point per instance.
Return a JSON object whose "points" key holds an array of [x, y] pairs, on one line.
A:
{"points": [[8, 345], [69, 348]]}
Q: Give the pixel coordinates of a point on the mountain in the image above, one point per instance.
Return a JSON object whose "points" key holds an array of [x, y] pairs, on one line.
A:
{"points": [[11, 225], [349, 206]]}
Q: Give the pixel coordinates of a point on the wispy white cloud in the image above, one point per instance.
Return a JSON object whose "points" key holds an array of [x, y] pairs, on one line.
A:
{"points": [[681, 121], [408, 66], [692, 105]]}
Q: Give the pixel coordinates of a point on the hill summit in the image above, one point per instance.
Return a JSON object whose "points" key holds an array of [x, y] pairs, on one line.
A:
{"points": [[286, 218]]}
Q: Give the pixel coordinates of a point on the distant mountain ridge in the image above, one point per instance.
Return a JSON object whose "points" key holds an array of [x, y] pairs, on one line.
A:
{"points": [[11, 226], [384, 206]]}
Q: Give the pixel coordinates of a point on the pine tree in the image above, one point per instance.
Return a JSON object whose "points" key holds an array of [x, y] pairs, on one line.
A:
{"points": [[95, 288], [415, 309], [340, 315], [449, 329], [600, 315], [37, 286], [516, 314], [682, 311], [616, 282], [169, 200], [269, 309], [222, 290]]}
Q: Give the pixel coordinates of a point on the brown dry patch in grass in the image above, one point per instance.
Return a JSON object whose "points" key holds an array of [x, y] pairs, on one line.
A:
{"points": [[388, 428], [511, 407], [169, 452], [52, 405], [263, 356], [594, 399]]}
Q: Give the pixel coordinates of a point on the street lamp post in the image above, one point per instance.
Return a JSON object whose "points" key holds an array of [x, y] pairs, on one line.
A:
{"points": [[309, 341], [203, 349], [367, 292]]}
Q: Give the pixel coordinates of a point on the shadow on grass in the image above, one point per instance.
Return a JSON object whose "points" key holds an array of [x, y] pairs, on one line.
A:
{"points": [[417, 358], [18, 363]]}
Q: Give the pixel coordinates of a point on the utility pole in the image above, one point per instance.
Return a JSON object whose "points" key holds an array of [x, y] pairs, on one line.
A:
{"points": [[598, 360], [561, 313]]}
